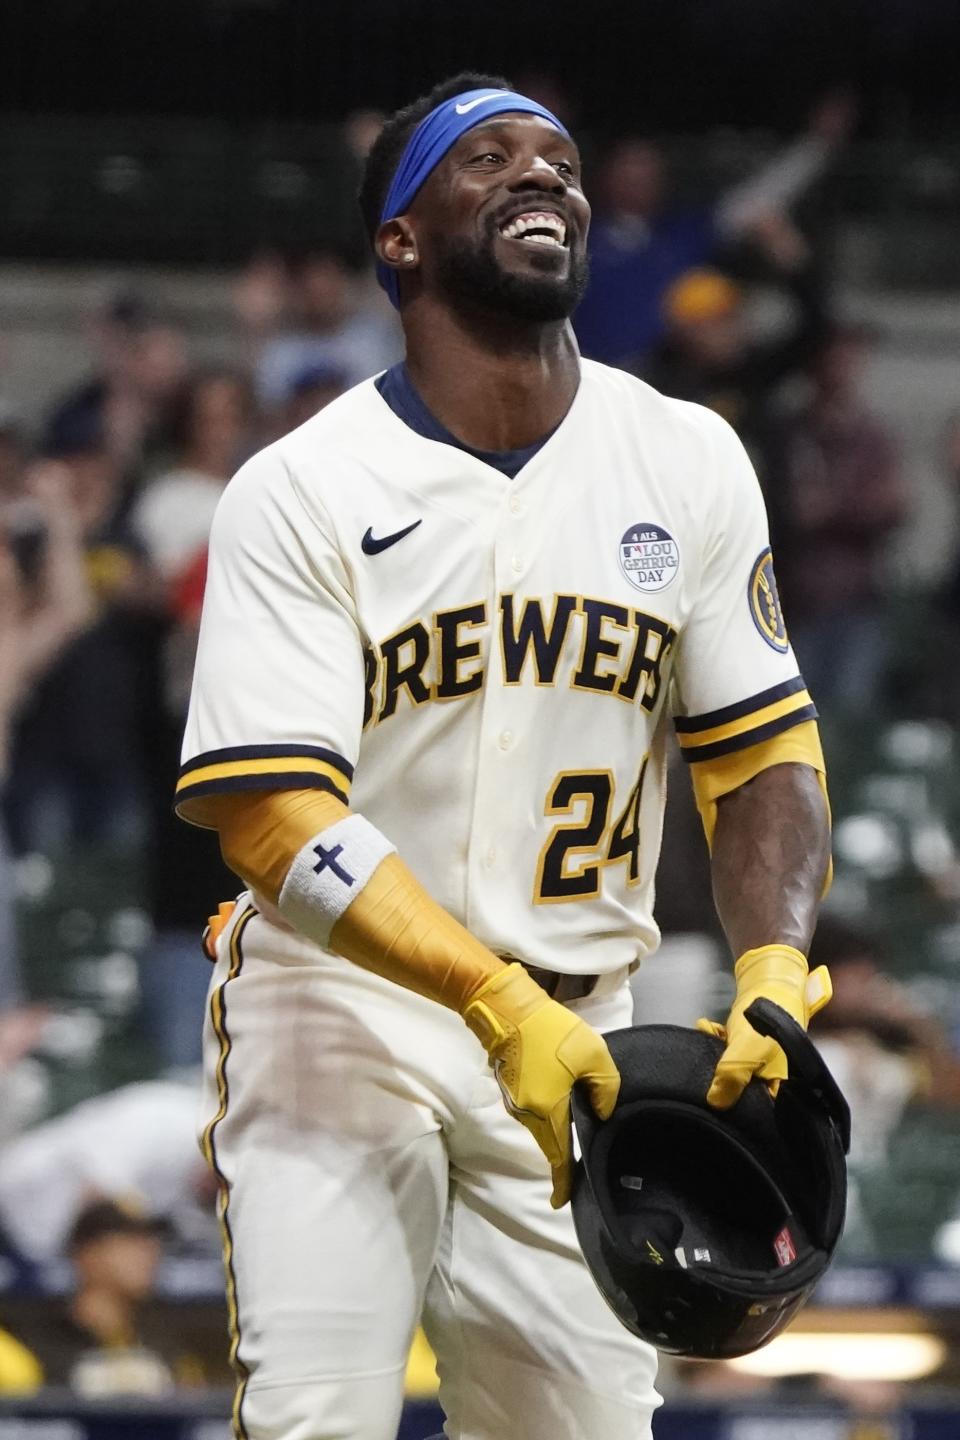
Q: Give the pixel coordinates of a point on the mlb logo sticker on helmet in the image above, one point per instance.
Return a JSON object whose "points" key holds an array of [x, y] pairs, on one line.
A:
{"points": [[783, 1247], [649, 556]]}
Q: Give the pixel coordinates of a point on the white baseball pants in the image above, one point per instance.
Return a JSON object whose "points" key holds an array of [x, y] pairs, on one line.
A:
{"points": [[373, 1179]]}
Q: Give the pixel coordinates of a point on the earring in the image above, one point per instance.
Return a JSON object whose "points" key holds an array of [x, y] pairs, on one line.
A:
{"points": [[409, 258]]}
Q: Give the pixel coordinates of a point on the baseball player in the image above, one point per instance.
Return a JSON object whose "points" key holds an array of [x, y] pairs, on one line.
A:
{"points": [[448, 624]]}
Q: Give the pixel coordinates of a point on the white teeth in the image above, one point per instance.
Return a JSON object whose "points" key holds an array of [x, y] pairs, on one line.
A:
{"points": [[539, 221]]}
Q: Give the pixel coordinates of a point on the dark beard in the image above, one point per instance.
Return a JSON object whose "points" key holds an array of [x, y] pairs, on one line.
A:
{"points": [[471, 273]]}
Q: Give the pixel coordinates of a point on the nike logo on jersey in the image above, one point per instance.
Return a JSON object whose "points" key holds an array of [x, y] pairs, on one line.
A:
{"points": [[371, 546], [463, 109]]}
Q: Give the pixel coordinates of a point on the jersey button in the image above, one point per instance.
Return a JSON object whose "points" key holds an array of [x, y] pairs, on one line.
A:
{"points": [[490, 859], [506, 739], [515, 506], [516, 565]]}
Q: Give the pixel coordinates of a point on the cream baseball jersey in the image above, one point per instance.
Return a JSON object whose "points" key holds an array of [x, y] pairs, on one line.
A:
{"points": [[487, 668]]}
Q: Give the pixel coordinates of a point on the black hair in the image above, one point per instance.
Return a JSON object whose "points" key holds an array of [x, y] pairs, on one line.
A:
{"points": [[181, 411], [384, 156]]}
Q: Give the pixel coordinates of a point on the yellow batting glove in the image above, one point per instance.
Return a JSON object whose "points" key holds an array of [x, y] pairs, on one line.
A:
{"points": [[539, 1049], [773, 972]]}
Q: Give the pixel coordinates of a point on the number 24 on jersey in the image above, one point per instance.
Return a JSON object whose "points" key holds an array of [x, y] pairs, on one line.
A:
{"points": [[572, 860]]}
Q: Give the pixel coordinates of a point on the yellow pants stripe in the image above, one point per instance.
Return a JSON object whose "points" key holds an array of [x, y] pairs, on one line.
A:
{"points": [[218, 1015]]}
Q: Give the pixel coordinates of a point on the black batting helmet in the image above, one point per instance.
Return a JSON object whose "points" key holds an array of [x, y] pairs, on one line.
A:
{"points": [[705, 1229]]}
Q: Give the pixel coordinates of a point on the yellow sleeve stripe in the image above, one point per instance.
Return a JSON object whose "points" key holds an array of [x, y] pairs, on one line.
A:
{"points": [[747, 730], [267, 767], [238, 769]]}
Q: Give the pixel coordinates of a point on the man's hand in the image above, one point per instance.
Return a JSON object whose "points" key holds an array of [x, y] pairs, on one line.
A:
{"points": [[773, 972], [539, 1049], [834, 117], [780, 241]]}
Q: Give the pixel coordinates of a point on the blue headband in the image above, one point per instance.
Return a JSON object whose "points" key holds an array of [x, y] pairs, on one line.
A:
{"points": [[437, 133]]}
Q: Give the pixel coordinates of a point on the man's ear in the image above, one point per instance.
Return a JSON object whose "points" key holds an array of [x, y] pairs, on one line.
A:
{"points": [[396, 245]]}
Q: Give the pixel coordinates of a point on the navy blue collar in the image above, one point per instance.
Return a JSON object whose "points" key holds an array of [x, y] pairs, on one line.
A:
{"points": [[398, 390]]}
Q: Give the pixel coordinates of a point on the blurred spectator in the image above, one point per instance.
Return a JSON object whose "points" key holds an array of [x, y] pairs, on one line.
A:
{"points": [[835, 497], [710, 354], [328, 324], [886, 1052], [44, 602], [360, 130], [951, 458], [259, 297], [547, 89], [310, 391], [24, 1082], [928, 635], [640, 242], [139, 1141], [186, 877], [210, 432], [93, 1340], [12, 450], [74, 769], [45, 597], [139, 363], [883, 1048]]}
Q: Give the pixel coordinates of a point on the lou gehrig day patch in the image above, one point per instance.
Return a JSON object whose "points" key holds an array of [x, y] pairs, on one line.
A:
{"points": [[649, 557], [765, 608]]}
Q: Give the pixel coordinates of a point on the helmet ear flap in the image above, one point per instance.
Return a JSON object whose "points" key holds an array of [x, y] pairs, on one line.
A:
{"points": [[805, 1064]]}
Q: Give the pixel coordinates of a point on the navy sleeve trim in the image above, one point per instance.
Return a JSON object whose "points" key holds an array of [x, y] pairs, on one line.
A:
{"points": [[282, 780], [232, 753], [689, 725], [750, 737]]}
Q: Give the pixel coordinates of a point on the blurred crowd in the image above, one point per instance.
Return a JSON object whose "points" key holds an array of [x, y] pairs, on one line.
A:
{"points": [[105, 509]]}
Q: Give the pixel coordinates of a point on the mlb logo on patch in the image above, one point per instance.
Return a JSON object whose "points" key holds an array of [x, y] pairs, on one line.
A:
{"points": [[783, 1247], [649, 556]]}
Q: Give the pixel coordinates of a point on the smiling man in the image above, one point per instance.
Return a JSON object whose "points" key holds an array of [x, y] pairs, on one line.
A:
{"points": [[447, 626]]}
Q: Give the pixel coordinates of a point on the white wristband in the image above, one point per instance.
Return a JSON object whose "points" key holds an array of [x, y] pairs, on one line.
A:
{"points": [[329, 873]]}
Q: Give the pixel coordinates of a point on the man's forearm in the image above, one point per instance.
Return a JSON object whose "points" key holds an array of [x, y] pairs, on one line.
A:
{"points": [[774, 186], [392, 927], [771, 853]]}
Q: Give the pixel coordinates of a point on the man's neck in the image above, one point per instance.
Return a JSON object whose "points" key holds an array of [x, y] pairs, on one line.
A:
{"points": [[211, 460], [494, 386], [104, 1314]]}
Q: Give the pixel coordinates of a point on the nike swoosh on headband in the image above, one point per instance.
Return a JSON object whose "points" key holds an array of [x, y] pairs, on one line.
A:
{"points": [[463, 109]]}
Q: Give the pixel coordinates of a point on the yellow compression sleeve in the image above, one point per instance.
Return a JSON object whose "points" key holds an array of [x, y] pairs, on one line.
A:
{"points": [[713, 779], [393, 927]]}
